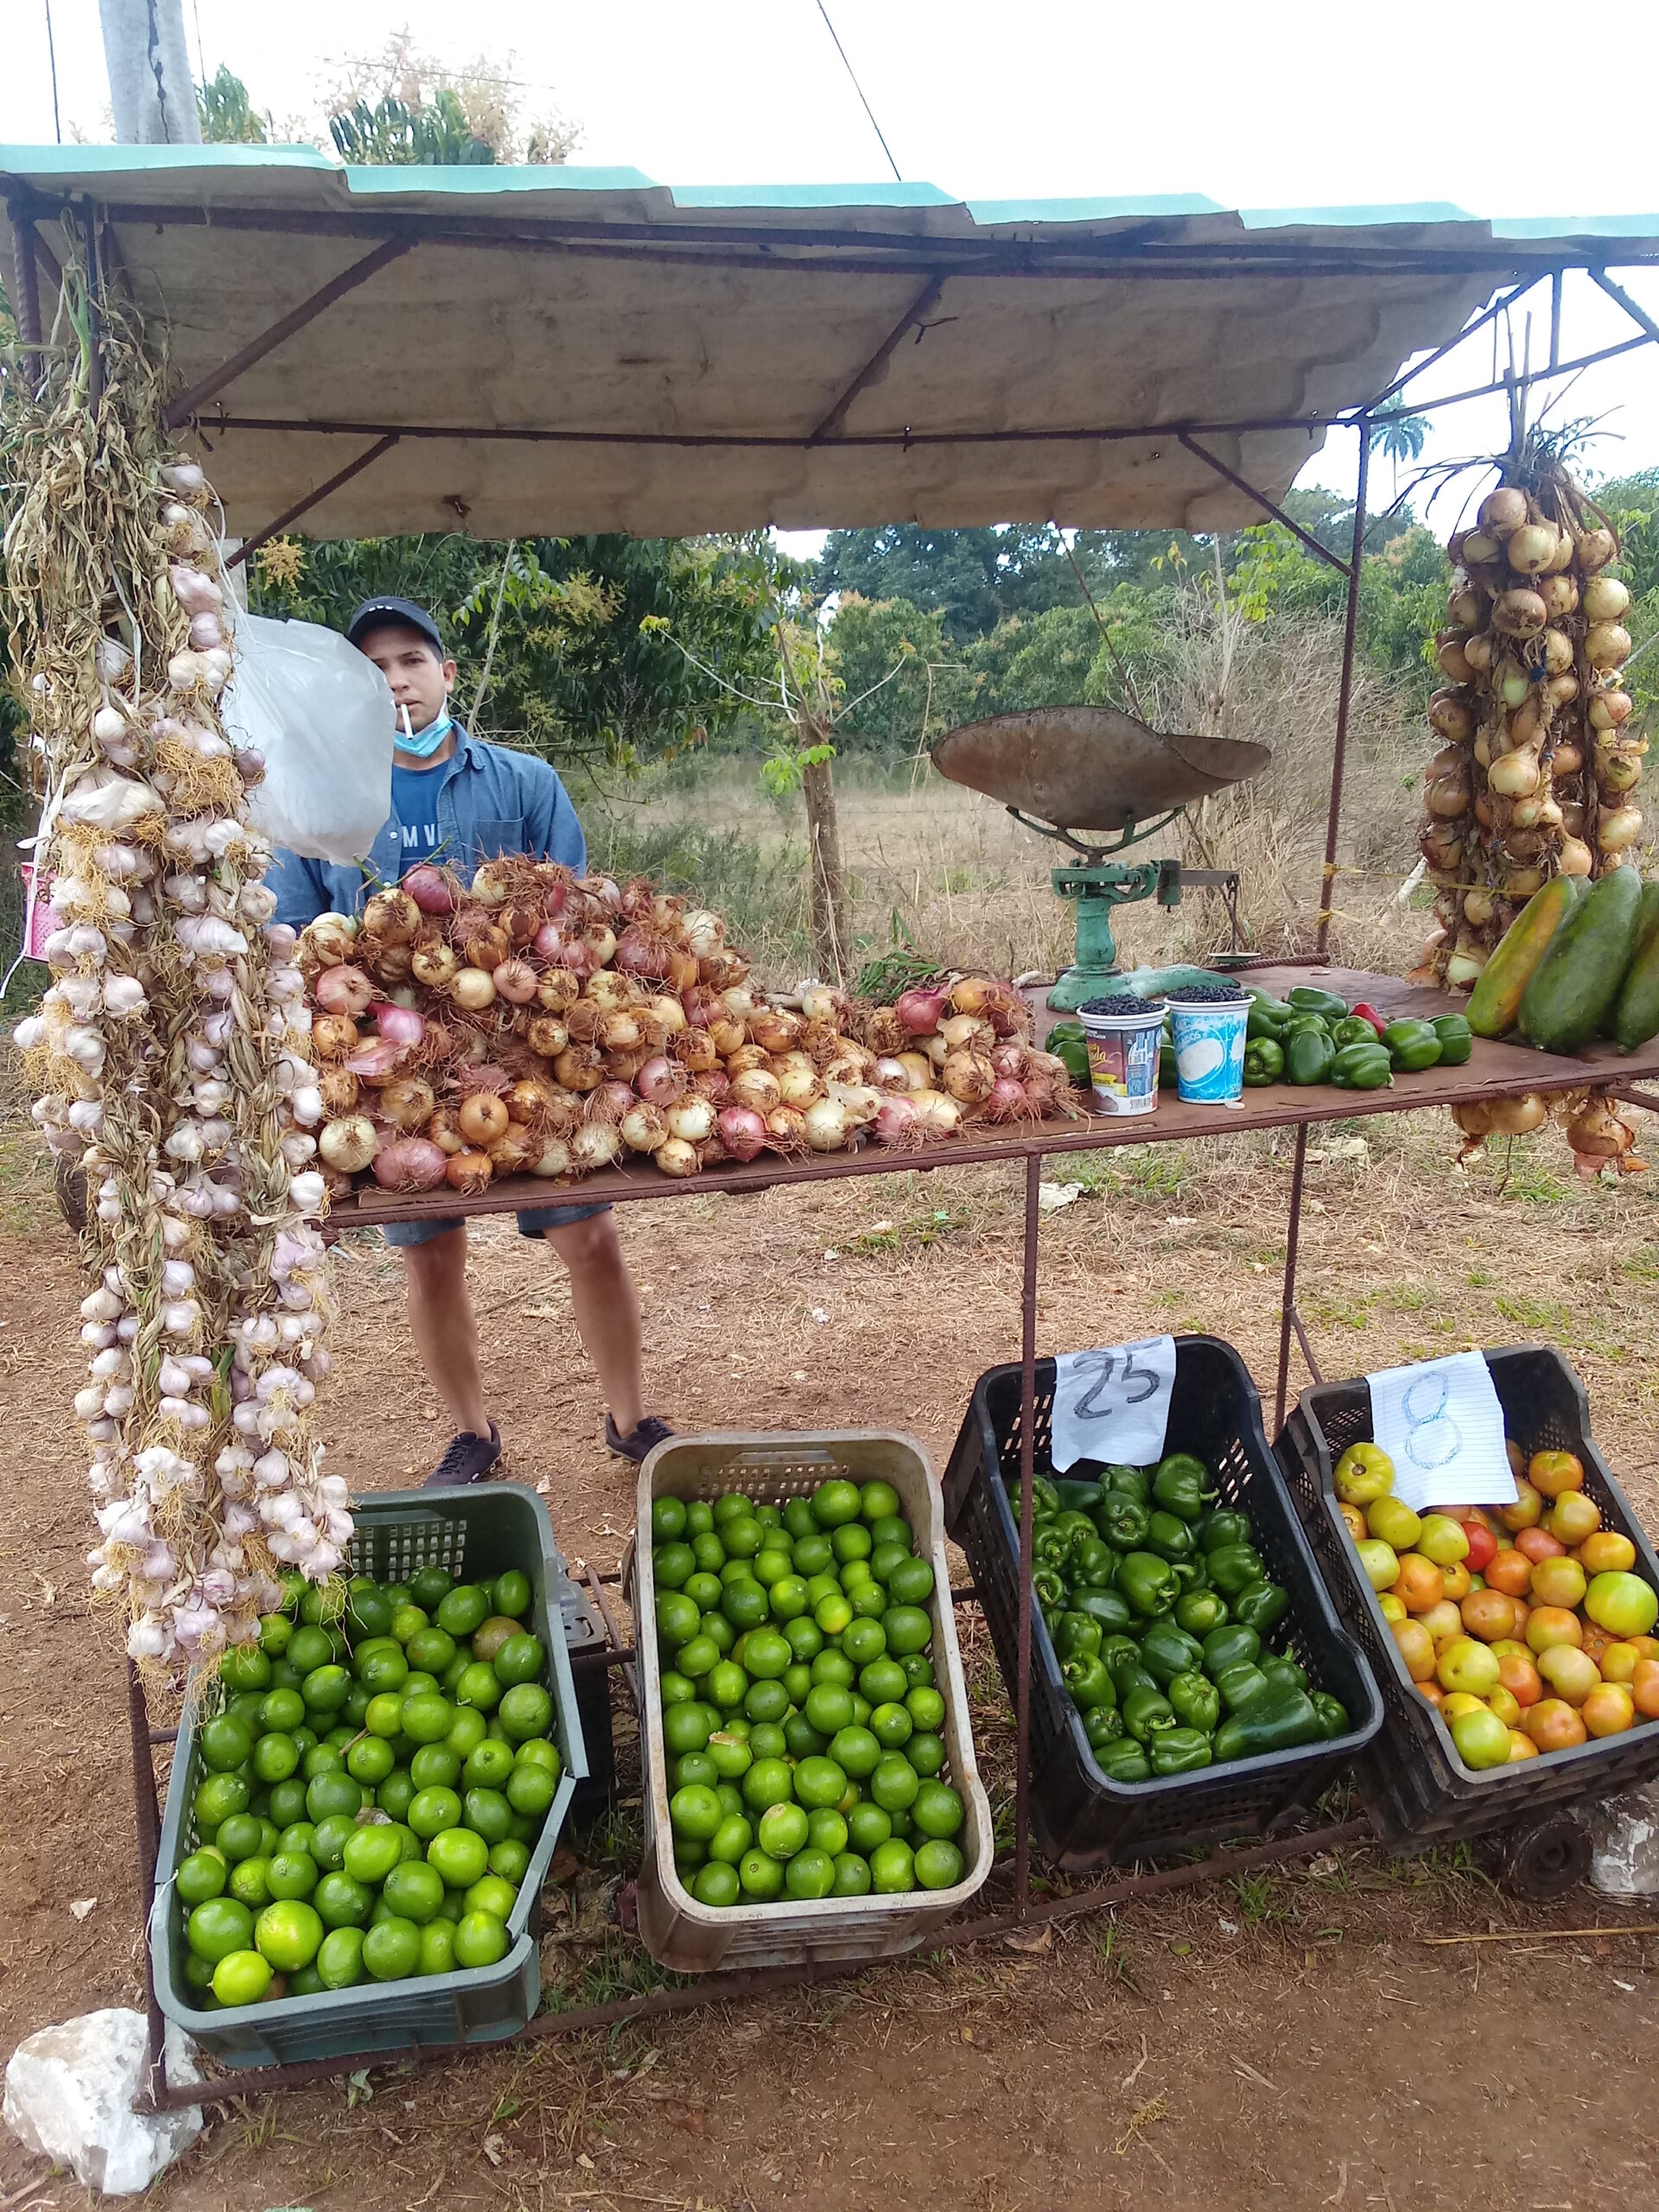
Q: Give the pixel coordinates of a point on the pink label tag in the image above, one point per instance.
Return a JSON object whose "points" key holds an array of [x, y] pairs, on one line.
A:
{"points": [[43, 918]]}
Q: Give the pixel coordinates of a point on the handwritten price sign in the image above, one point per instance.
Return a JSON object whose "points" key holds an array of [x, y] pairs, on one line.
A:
{"points": [[1113, 1404], [1442, 1426]]}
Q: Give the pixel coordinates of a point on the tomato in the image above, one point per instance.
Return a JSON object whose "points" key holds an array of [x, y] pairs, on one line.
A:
{"points": [[1354, 1520], [1489, 1615], [1419, 1583], [1617, 1662], [1460, 1664], [1443, 1540], [1608, 1711], [1551, 1624], [1443, 1620], [1510, 1571], [1458, 1580], [1520, 1746], [1573, 1517], [1381, 1567], [1571, 1674], [1538, 1544], [1482, 1739], [1529, 1509], [1455, 1703], [1645, 1688], [1605, 1553], [1647, 1645], [1391, 1607], [1557, 1582], [1622, 1603], [1517, 1459], [1554, 1726], [1483, 1544], [1416, 1648], [1551, 1473], [1517, 1675], [1596, 1641], [1365, 1471], [1507, 1707], [1432, 1692]]}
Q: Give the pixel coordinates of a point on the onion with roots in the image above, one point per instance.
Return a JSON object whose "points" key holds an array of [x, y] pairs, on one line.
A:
{"points": [[515, 981], [919, 1011], [444, 1130], [468, 1172], [392, 917], [406, 1102], [828, 1126], [692, 1120], [937, 1115], [332, 1036], [344, 989], [472, 989], [411, 1164], [741, 1130], [430, 889], [434, 965], [676, 1157], [483, 1119], [594, 1145], [349, 1144], [661, 1081]]}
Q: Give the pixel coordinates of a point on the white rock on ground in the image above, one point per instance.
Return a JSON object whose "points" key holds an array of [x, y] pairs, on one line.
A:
{"points": [[69, 2094], [1625, 1835]]}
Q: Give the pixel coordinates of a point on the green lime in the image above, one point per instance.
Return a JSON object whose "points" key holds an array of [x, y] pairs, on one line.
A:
{"points": [[856, 1751], [245, 1667], [342, 1903], [743, 1537], [667, 1519], [274, 1632], [891, 1867], [814, 1556], [525, 1710], [705, 1592], [467, 1730], [826, 1830], [201, 1876], [408, 1620], [894, 1785], [744, 1603], [767, 1783], [217, 1798], [437, 1947], [937, 1810], [368, 1612], [415, 1891], [696, 1657], [888, 1560], [535, 1750], [383, 1670], [832, 1665], [685, 1729], [530, 1791], [717, 1884], [466, 1608], [851, 1542], [332, 1793], [245, 1707], [852, 1875], [396, 1593], [695, 1812], [771, 1564], [926, 1754], [864, 1642], [788, 1598], [427, 1718], [708, 1552], [488, 1813], [801, 1738], [810, 1874], [760, 1877], [339, 1957], [883, 1683], [449, 1681], [460, 1857], [805, 1636], [282, 1712], [891, 1529], [672, 1565], [910, 1581], [765, 1701], [477, 1688], [925, 1707], [834, 1502], [309, 1649], [288, 1802], [391, 1949], [298, 1835], [328, 1841], [432, 1811], [520, 1659], [237, 1837], [490, 1762], [907, 1629], [727, 1685], [371, 1853], [435, 1766], [480, 1939], [225, 1742], [730, 1506], [938, 1865], [678, 1618], [429, 1586], [322, 1757], [241, 1978], [249, 1881], [767, 1655], [198, 1973], [731, 1755], [797, 1518], [877, 1502], [868, 1601], [430, 1650], [218, 1927], [731, 1839], [394, 1794], [867, 1826], [892, 1726], [325, 1689], [421, 1685], [782, 1831], [820, 1781], [289, 1934], [491, 1894], [369, 1760], [292, 1874], [510, 1859], [766, 1741], [384, 1714]]}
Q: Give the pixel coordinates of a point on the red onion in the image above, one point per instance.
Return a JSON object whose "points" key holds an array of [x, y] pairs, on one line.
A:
{"points": [[377, 1061], [661, 1081], [643, 951], [895, 1118], [742, 1131], [516, 981], [611, 1102], [553, 899], [919, 1011], [485, 1077], [427, 887], [411, 1164], [605, 889], [1008, 1101], [344, 989], [1009, 1059], [713, 1084], [399, 1025], [548, 944], [638, 898]]}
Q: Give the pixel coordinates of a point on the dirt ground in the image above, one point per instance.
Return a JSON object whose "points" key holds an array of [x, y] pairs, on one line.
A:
{"points": [[1297, 2038]]}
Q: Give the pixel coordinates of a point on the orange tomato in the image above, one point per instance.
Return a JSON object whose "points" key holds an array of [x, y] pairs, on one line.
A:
{"points": [[1647, 1645], [1617, 1662], [1607, 1552], [1488, 1614], [1421, 1584], [1356, 1521], [1538, 1544], [1573, 1517], [1596, 1641], [1645, 1688], [1458, 1580], [1520, 1746], [1608, 1710], [1517, 1459], [1527, 1509], [1553, 1725], [1557, 1582], [1508, 1647], [1551, 1473], [1443, 1620], [1551, 1624], [1517, 1675], [1505, 1705], [1510, 1571], [1523, 1615], [1571, 1674], [1416, 1648], [1432, 1692]]}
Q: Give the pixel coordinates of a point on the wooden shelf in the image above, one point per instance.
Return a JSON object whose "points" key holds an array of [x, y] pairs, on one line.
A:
{"points": [[1494, 1071]]}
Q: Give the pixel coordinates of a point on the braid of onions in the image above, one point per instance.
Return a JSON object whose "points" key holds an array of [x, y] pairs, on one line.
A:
{"points": [[170, 1055]]}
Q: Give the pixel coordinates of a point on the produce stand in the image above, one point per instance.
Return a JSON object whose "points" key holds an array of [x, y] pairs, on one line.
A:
{"points": [[1259, 333]]}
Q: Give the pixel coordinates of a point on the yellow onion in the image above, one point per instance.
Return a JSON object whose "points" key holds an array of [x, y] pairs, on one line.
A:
{"points": [[1563, 689], [1449, 796], [1530, 720], [1516, 775], [1463, 967], [1532, 547], [1566, 759], [1618, 829], [1605, 600], [472, 989], [1617, 770], [1516, 1118], [1557, 652], [1594, 549], [1483, 813], [1478, 907], [1448, 715], [1502, 512], [1483, 748], [554, 1159], [1610, 709], [1477, 650], [1467, 608], [1560, 595], [1607, 645], [1519, 614], [1576, 857], [1510, 681], [1480, 548], [1521, 883]]}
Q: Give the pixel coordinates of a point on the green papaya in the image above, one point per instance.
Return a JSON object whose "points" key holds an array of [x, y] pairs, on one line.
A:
{"points": [[1578, 979], [1636, 1015], [1495, 1000]]}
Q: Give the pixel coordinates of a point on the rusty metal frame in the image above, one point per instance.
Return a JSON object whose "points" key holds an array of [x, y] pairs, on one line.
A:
{"points": [[311, 500], [924, 303], [1639, 315], [1212, 460]]}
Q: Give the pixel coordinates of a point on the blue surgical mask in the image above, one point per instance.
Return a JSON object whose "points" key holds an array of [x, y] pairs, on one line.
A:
{"points": [[425, 742]]}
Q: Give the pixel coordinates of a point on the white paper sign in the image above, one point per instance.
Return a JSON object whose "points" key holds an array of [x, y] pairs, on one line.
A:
{"points": [[1113, 1405], [1442, 1425]]}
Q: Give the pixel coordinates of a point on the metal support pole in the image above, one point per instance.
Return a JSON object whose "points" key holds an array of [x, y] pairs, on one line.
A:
{"points": [[1027, 1470], [26, 295], [1334, 820], [148, 1824], [1287, 1308]]}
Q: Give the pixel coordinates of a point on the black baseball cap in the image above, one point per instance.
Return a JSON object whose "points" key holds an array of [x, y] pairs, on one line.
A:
{"points": [[375, 613]]}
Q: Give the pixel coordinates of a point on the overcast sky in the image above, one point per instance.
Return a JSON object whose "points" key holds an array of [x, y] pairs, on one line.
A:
{"points": [[1286, 103]]}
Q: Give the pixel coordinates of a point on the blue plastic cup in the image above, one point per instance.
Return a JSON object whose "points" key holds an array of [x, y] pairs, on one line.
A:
{"points": [[1209, 1041]]}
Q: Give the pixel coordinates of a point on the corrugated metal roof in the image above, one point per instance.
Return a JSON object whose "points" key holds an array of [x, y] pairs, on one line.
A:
{"points": [[569, 350]]}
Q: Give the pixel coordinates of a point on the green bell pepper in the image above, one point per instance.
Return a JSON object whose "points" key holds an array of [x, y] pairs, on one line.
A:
{"points": [[1457, 1039], [1189, 1575], [1362, 1067], [1229, 1646], [1241, 1685], [1198, 1611], [1333, 1715], [1128, 1674], [1180, 1750], [1049, 1546], [1078, 1638], [1075, 1053], [1123, 1761], [1233, 1568], [1307, 998], [1148, 1582], [1169, 1075], [1166, 1651], [1267, 1017], [1309, 1057], [1093, 1564], [1071, 1520], [1148, 1712], [1170, 1538], [1119, 1650], [1197, 1701], [1044, 1498], [1412, 1045], [1356, 1029], [1181, 1486], [1129, 1482], [1264, 1062], [1221, 1528], [1263, 1606], [1122, 1522], [1279, 1668], [1088, 1683], [1105, 1606], [1102, 1724], [1076, 1496], [1048, 1587], [1278, 1721]]}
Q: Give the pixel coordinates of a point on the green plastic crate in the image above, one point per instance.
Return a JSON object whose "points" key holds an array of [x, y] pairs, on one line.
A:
{"points": [[477, 1533]]}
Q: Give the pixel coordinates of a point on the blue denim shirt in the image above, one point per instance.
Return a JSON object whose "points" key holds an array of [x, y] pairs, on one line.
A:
{"points": [[491, 801]]}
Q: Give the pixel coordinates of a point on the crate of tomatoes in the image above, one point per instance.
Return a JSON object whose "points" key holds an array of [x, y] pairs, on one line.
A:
{"points": [[1514, 1646]]}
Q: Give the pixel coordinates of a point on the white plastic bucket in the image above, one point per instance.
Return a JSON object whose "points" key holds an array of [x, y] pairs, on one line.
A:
{"points": [[1123, 1049], [1209, 1038]]}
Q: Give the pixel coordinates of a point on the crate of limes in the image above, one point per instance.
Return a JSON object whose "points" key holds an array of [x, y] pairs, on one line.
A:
{"points": [[811, 1787], [362, 1805]]}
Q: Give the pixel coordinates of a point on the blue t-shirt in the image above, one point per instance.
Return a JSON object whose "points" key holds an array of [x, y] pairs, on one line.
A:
{"points": [[414, 803]]}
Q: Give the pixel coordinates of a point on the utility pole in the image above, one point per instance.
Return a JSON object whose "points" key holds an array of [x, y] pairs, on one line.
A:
{"points": [[151, 89]]}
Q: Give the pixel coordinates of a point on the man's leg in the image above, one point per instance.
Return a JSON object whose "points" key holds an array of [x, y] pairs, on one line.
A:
{"points": [[440, 1322], [608, 1311]]}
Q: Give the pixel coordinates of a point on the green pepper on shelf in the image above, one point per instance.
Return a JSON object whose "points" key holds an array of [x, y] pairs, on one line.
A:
{"points": [[1123, 1761], [1102, 1724], [1170, 1538], [1181, 1486], [1072, 1521], [1198, 1611], [1233, 1568], [1197, 1701], [1221, 1527], [1088, 1683], [1120, 1650], [1189, 1574], [1333, 1715], [1457, 1039], [1263, 1606], [1279, 1720], [1076, 1637], [1075, 1054], [1180, 1750], [1044, 1498], [1121, 1520], [1412, 1044], [1267, 1017], [1108, 1607], [1356, 1029], [1048, 1587], [1148, 1582], [1169, 1074], [1241, 1685], [1264, 1062], [1147, 1713], [1309, 1057], [1229, 1646], [1167, 1650], [1362, 1067], [1307, 998]]}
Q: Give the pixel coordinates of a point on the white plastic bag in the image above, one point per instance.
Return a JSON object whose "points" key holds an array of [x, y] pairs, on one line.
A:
{"points": [[321, 715]]}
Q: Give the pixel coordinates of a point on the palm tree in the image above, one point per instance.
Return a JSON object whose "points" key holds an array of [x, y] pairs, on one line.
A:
{"points": [[1399, 434]]}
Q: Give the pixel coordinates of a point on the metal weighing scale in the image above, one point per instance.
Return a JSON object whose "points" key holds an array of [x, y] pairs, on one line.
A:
{"points": [[1074, 772]]}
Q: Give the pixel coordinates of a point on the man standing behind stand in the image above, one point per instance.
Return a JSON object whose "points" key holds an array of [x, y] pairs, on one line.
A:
{"points": [[457, 800]]}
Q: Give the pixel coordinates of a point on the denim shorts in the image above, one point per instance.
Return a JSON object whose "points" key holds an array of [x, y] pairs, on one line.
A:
{"points": [[532, 1220]]}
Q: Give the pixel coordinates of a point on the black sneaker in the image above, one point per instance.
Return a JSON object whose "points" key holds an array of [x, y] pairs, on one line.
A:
{"points": [[469, 1459], [639, 1441]]}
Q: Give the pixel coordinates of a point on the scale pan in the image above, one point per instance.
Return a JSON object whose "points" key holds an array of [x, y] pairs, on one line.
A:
{"points": [[1091, 768]]}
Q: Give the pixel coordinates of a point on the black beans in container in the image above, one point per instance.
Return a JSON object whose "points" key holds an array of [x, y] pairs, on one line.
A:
{"points": [[1121, 1002], [1206, 994]]}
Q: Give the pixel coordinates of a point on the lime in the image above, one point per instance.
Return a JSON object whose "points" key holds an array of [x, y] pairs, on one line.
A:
{"points": [[525, 1710], [530, 1791], [805, 1637], [685, 1729], [826, 1830], [394, 1794], [429, 1586], [834, 1502], [727, 1685], [782, 1831], [292, 1874], [767, 1655], [396, 1593], [225, 1742], [910, 1581], [797, 1518], [868, 1601], [760, 1878], [894, 1785], [466, 1608], [861, 1706], [744, 1537], [883, 1683], [409, 1620], [491, 1895], [717, 1884], [744, 1603], [249, 1881], [765, 1701], [467, 1732], [430, 1649], [420, 1685], [667, 1519], [391, 1949], [201, 1876], [237, 1837], [938, 1865], [415, 1891], [339, 1957], [809, 1873], [731, 1839], [309, 1648], [427, 1718], [678, 1618], [789, 1598], [385, 1715], [489, 1763], [245, 1667], [926, 1754], [856, 1751], [298, 1835], [270, 1837], [766, 1783], [322, 1757], [867, 1826], [460, 1856], [907, 1628], [937, 1810], [218, 1927], [217, 1798], [694, 1813], [328, 1841], [766, 1741], [893, 1529], [820, 1782], [282, 1712], [432, 1811], [697, 1656], [730, 1505], [925, 1707], [888, 1560], [510, 1859], [383, 1670], [891, 1867], [288, 1802], [772, 1563], [801, 1738], [855, 1574], [342, 1902], [274, 1632], [535, 1750], [325, 1689], [368, 1612], [864, 1642], [832, 1665], [332, 1793], [705, 1592], [520, 1659], [477, 1687], [877, 1502], [488, 1814], [672, 1565], [289, 1935], [438, 1948], [852, 1875], [341, 1738], [815, 1556], [892, 1726], [241, 1978], [480, 1939], [731, 1755], [369, 1760], [371, 1853]]}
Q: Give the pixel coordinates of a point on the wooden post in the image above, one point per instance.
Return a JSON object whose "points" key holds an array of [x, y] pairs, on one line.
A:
{"points": [[832, 950]]}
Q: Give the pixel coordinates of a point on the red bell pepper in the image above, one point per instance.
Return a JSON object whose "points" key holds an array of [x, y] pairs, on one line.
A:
{"points": [[1378, 1021]]}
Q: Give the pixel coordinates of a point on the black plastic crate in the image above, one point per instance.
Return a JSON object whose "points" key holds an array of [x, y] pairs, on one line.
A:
{"points": [[585, 1643], [1416, 1789], [1081, 1819]]}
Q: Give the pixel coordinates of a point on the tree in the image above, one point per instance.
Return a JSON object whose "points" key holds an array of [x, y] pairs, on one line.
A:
{"points": [[227, 115], [902, 680], [1399, 434], [401, 105]]}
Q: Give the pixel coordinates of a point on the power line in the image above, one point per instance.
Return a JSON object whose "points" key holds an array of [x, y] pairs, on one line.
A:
{"points": [[52, 58], [859, 89]]}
